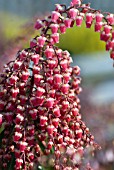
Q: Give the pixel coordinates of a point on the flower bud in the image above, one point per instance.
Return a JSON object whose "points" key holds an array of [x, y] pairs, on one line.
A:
{"points": [[40, 91], [18, 128], [65, 88], [10, 106], [76, 83], [35, 58], [79, 133], [75, 111], [19, 163], [36, 69], [25, 75], [31, 156], [110, 19], [37, 79], [64, 64], [55, 122], [60, 139], [110, 45], [73, 13], [41, 41], [23, 99], [49, 52], [33, 114], [9, 117], [57, 79], [33, 43], [13, 79], [52, 64], [17, 136], [19, 119], [76, 2], [55, 15], [43, 120], [31, 130], [89, 17], [30, 140], [104, 37], [55, 37], [17, 65], [39, 24], [66, 77], [56, 112], [107, 29], [58, 7], [98, 26], [54, 28], [22, 146], [98, 17], [49, 145], [112, 55], [79, 20], [65, 105], [52, 93], [23, 54], [49, 102], [62, 28], [67, 22], [14, 92], [71, 95], [68, 118], [50, 80], [88, 24], [50, 129]]}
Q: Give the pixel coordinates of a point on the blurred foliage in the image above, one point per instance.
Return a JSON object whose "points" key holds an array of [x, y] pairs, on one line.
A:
{"points": [[10, 24], [81, 40]]}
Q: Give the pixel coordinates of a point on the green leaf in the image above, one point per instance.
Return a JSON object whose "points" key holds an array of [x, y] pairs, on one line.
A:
{"points": [[52, 150], [2, 128], [12, 163], [1, 137], [41, 146]]}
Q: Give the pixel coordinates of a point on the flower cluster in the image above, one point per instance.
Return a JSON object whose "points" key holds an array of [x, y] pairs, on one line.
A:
{"points": [[39, 104]]}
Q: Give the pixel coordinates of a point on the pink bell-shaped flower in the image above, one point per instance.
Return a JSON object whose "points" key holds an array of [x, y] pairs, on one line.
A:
{"points": [[98, 26], [73, 13], [62, 28], [79, 20], [35, 58], [68, 22], [55, 15], [39, 24], [49, 52], [76, 2], [110, 19], [33, 43], [22, 146], [55, 37], [54, 28], [56, 112], [98, 17], [41, 41]]}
